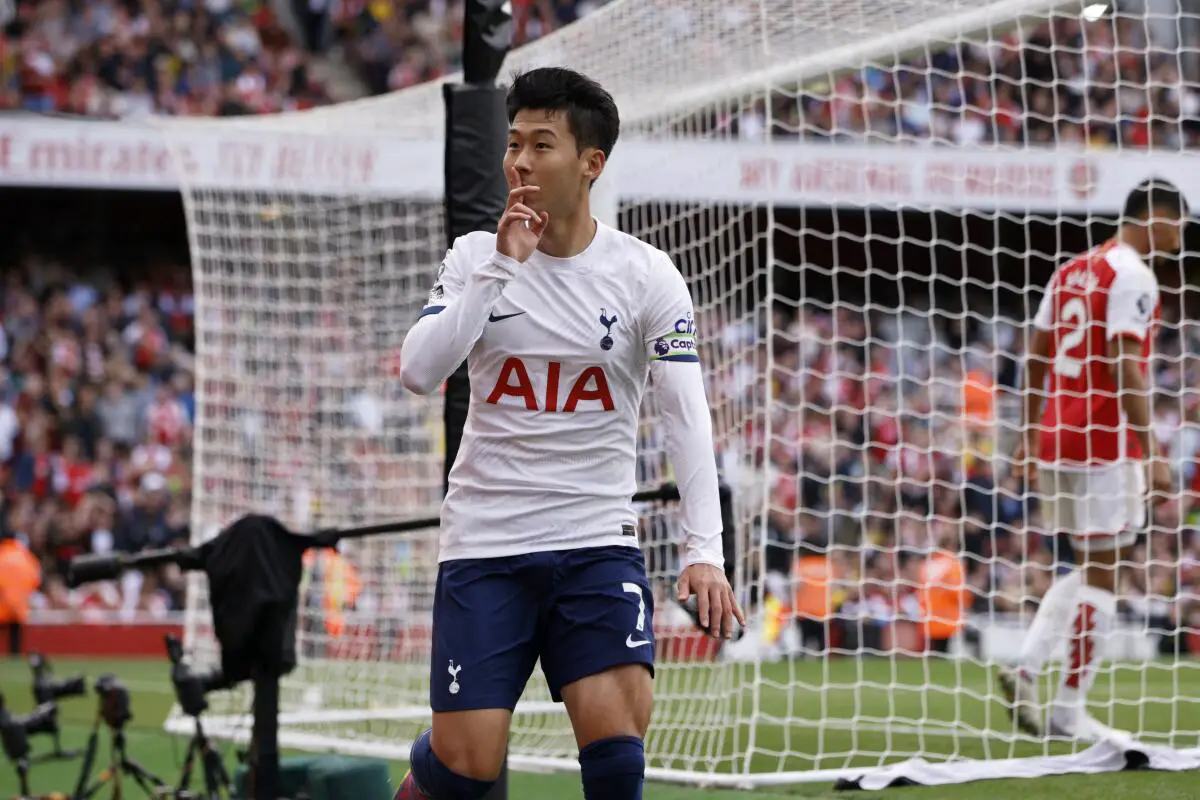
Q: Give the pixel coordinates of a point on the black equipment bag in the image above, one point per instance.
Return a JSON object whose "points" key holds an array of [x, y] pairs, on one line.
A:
{"points": [[254, 569]]}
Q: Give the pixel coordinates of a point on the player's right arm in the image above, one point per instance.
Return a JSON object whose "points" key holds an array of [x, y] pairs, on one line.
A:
{"points": [[465, 293], [453, 317]]}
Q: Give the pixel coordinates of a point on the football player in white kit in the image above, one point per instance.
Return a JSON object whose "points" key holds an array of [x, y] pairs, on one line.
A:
{"points": [[562, 320], [1093, 453]]}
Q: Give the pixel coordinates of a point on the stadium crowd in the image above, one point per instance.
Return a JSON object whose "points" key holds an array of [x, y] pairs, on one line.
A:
{"points": [[1072, 81], [128, 58], [96, 411], [883, 442], [121, 58], [1100, 83]]}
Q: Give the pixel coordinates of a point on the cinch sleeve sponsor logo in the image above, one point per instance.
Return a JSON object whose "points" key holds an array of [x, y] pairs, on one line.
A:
{"points": [[677, 346]]}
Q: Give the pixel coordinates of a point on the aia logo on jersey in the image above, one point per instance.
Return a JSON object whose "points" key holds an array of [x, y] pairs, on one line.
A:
{"points": [[514, 388], [606, 343]]}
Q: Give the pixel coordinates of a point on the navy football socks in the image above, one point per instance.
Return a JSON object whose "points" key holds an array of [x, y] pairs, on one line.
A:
{"points": [[435, 779], [613, 769]]}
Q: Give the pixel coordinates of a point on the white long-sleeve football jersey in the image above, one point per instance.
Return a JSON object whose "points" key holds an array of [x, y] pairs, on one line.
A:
{"points": [[559, 352]]}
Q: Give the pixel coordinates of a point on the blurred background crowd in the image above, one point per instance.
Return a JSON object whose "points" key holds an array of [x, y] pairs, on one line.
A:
{"points": [[96, 413], [886, 427], [125, 58]]}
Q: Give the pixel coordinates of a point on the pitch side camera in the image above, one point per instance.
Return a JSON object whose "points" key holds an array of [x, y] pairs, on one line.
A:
{"points": [[16, 730], [115, 707], [190, 686], [47, 688]]}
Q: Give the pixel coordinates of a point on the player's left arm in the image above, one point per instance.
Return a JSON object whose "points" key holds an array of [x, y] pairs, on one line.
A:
{"points": [[1132, 302], [668, 327], [1037, 365]]}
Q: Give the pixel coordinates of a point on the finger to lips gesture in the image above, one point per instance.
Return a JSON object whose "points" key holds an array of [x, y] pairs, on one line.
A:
{"points": [[520, 227]]}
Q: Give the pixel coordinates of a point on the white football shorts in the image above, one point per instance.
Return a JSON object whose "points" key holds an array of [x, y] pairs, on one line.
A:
{"points": [[1102, 507]]}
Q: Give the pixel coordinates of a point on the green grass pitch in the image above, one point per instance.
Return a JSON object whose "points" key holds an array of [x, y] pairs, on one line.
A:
{"points": [[1154, 700]]}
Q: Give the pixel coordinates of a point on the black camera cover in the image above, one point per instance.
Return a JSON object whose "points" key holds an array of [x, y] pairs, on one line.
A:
{"points": [[254, 569]]}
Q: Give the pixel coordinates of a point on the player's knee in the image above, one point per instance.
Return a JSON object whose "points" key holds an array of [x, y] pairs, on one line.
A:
{"points": [[640, 714], [613, 769], [483, 764], [614, 703], [440, 780], [472, 743]]}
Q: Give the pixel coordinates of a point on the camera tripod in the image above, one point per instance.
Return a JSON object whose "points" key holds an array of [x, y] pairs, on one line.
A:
{"points": [[57, 754], [216, 779], [120, 764], [22, 765]]}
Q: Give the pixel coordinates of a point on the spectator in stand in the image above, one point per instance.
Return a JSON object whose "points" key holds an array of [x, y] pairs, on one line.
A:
{"points": [[817, 578], [942, 592], [20, 576]]}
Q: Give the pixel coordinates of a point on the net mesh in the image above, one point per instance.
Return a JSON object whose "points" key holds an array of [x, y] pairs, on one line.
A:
{"points": [[862, 286]]}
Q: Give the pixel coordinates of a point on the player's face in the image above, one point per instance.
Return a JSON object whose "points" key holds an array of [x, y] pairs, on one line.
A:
{"points": [[543, 151], [1166, 232]]}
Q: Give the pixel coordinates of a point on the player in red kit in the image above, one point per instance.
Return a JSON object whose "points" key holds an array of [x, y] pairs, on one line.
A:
{"points": [[1092, 456]]}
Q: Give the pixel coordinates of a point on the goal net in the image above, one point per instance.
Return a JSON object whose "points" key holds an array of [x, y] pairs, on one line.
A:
{"points": [[866, 199]]}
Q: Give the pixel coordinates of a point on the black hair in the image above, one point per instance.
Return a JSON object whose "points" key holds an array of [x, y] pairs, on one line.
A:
{"points": [[1153, 194], [591, 112]]}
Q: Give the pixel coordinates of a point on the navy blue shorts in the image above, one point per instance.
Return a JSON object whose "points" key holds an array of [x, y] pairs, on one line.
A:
{"points": [[581, 611]]}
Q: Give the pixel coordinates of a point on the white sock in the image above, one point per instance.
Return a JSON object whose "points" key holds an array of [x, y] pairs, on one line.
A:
{"points": [[1051, 622], [1090, 626]]}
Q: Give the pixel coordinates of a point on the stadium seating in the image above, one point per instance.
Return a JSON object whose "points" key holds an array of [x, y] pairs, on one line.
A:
{"points": [[104, 59], [95, 428]]}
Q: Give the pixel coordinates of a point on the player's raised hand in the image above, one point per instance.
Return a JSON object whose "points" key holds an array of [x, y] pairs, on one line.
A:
{"points": [[1159, 480], [520, 228], [714, 599]]}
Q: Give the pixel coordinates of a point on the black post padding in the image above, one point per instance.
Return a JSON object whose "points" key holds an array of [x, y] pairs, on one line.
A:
{"points": [[454, 417], [728, 532], [476, 191], [476, 138]]}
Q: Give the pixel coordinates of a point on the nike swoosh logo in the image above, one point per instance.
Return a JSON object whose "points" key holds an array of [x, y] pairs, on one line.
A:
{"points": [[498, 317], [630, 643]]}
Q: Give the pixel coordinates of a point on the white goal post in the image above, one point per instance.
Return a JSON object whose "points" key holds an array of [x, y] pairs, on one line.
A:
{"points": [[865, 199]]}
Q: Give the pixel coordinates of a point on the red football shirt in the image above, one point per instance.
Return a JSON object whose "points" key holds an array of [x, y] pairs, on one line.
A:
{"points": [[1106, 293]]}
